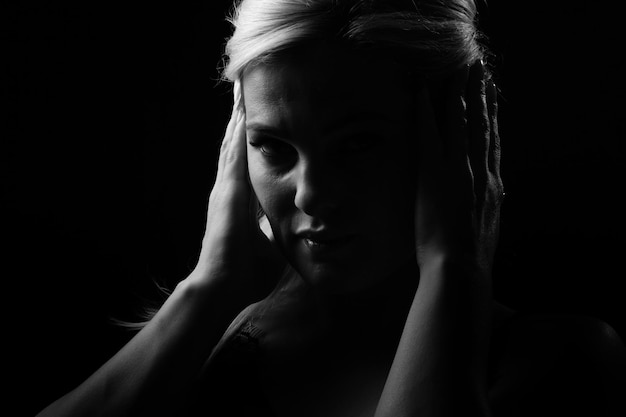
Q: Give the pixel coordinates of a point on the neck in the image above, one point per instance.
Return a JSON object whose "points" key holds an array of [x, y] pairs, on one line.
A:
{"points": [[379, 308]]}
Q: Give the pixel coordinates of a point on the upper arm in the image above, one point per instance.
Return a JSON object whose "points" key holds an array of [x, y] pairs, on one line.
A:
{"points": [[561, 365]]}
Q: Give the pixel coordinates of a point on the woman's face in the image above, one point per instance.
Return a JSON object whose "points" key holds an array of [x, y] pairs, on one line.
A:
{"points": [[331, 157]]}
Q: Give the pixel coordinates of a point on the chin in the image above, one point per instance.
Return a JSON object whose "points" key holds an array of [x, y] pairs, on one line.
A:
{"points": [[335, 278]]}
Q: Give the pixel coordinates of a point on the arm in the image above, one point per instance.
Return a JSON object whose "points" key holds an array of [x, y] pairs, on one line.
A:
{"points": [[158, 364], [440, 364], [152, 373]]}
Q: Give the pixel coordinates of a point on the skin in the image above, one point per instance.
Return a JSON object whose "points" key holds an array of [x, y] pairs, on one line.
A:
{"points": [[328, 154], [298, 183], [443, 211], [310, 166]]}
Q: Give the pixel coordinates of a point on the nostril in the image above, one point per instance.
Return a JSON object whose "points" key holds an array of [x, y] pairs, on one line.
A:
{"points": [[315, 194], [314, 202]]}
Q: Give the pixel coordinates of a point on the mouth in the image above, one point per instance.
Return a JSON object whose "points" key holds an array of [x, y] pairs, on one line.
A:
{"points": [[320, 243], [316, 242]]}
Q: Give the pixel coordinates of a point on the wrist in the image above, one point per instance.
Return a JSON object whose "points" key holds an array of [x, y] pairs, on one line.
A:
{"points": [[214, 288], [450, 264]]}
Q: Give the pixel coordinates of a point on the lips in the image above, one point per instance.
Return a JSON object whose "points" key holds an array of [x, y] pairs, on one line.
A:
{"points": [[324, 241]]}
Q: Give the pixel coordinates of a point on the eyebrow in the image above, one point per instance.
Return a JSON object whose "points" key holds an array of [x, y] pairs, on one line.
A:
{"points": [[267, 129], [281, 132]]}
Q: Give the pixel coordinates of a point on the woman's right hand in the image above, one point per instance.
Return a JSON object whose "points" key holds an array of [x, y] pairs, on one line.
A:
{"points": [[235, 251]]}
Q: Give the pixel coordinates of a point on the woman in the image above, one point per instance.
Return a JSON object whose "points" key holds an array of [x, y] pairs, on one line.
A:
{"points": [[346, 264]]}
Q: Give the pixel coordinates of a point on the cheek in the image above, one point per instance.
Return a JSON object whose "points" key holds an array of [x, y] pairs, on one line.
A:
{"points": [[260, 181], [271, 192]]}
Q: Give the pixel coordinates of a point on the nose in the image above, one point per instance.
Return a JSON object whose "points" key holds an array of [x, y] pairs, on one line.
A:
{"points": [[315, 189]]}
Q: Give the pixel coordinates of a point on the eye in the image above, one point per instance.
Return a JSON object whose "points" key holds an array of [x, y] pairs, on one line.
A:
{"points": [[274, 149]]}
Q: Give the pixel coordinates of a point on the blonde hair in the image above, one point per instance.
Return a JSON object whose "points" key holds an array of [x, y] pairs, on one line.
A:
{"points": [[431, 37]]}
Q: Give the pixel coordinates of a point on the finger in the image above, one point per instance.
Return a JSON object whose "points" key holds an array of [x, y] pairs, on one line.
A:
{"points": [[454, 130], [226, 143], [237, 95], [493, 158], [235, 153], [479, 126], [230, 131]]}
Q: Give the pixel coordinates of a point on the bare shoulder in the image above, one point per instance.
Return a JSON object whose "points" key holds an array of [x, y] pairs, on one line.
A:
{"points": [[549, 364]]}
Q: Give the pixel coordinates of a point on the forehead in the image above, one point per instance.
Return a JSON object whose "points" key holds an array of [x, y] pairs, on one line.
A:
{"points": [[321, 83]]}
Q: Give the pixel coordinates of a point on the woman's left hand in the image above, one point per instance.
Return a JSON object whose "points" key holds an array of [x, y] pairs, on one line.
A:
{"points": [[440, 367], [459, 184]]}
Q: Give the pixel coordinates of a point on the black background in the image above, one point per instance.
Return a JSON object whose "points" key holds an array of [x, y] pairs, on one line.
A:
{"points": [[109, 133]]}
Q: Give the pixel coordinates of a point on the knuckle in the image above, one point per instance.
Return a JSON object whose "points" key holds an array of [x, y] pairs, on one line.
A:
{"points": [[494, 189]]}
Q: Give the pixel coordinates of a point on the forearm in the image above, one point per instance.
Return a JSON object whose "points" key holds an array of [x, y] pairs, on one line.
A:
{"points": [[440, 364], [155, 368]]}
